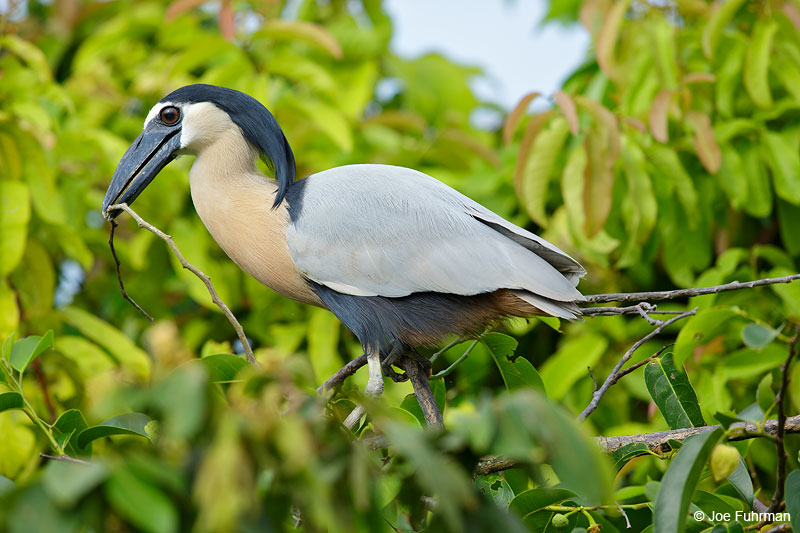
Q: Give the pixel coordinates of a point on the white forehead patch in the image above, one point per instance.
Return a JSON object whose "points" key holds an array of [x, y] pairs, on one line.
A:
{"points": [[156, 109], [201, 122]]}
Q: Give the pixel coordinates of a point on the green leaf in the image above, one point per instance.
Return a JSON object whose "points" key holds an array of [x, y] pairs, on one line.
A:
{"points": [[570, 362], [572, 188], [528, 421], [11, 400], [666, 162], [130, 496], [6, 485], [784, 162], [700, 329], [729, 76], [756, 62], [662, 37], [670, 389], [538, 168], [30, 53], [70, 423], [15, 211], [67, 482], [323, 343], [740, 480], [624, 454], [758, 336], [126, 424], [110, 338], [639, 207], [181, 397], [723, 12], [677, 486], [532, 500], [223, 367], [26, 350], [789, 293], [726, 420], [788, 222], [765, 397], [792, 491], [731, 177], [517, 371], [759, 203]]}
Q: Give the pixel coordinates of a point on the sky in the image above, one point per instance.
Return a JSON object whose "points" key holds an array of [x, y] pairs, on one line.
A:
{"points": [[503, 37]]}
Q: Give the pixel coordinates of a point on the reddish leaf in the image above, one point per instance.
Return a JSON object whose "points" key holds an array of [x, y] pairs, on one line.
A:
{"points": [[659, 115], [591, 13], [181, 6], [705, 144], [311, 33], [636, 123], [516, 115], [602, 148], [608, 35], [792, 13], [567, 106], [699, 77], [226, 20]]}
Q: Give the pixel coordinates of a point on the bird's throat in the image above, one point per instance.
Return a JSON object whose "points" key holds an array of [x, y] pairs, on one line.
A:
{"points": [[234, 202]]}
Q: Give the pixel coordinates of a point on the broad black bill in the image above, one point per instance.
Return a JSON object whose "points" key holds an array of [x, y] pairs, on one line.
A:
{"points": [[143, 160]]}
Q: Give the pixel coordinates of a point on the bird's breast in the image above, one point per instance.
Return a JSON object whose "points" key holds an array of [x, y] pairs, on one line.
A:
{"points": [[238, 213]]}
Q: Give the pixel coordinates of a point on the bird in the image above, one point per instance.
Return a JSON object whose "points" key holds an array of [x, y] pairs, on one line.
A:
{"points": [[400, 258]]}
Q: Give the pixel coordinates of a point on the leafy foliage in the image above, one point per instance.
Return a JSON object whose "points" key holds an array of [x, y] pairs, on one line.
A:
{"points": [[670, 159]]}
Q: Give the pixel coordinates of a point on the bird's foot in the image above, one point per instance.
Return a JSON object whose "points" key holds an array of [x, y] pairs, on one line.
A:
{"points": [[391, 358], [396, 356]]}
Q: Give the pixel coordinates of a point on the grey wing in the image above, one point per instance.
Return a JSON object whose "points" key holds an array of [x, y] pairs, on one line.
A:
{"points": [[370, 230]]}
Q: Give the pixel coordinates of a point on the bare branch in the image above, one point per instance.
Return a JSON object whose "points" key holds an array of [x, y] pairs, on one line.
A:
{"points": [[446, 371], [422, 390], [685, 293], [197, 272], [780, 399], [65, 458], [613, 376], [125, 294], [343, 373], [657, 442], [627, 310]]}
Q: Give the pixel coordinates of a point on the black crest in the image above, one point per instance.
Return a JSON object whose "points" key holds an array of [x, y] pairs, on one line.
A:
{"points": [[256, 122]]}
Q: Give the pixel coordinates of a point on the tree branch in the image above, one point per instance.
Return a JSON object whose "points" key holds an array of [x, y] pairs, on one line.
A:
{"points": [[422, 390], [658, 442], [343, 373], [66, 458], [197, 272], [685, 293], [614, 376], [780, 399], [125, 294]]}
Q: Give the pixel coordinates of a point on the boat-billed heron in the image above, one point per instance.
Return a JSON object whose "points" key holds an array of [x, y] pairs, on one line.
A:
{"points": [[400, 258]]}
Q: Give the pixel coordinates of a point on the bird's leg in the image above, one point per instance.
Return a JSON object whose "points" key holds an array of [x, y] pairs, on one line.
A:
{"points": [[374, 386]]}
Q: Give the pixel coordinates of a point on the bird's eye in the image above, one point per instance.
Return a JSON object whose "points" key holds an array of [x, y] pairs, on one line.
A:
{"points": [[170, 115]]}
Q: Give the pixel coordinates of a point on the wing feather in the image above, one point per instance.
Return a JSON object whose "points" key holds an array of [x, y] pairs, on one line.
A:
{"points": [[370, 230]]}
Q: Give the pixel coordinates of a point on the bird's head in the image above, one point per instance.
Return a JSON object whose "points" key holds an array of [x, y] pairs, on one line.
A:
{"points": [[185, 121]]}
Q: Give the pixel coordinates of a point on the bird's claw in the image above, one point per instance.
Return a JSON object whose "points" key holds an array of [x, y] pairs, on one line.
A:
{"points": [[397, 377]]}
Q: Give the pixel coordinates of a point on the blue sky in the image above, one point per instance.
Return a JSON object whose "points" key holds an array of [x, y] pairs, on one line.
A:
{"points": [[502, 37]]}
